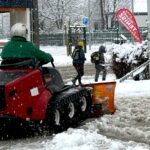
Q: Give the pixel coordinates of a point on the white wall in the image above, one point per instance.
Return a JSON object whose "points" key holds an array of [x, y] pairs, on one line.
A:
{"points": [[140, 5], [141, 20], [21, 16]]}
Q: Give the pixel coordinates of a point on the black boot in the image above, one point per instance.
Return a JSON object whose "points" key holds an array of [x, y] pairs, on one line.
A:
{"points": [[74, 81], [104, 75], [103, 79], [80, 83]]}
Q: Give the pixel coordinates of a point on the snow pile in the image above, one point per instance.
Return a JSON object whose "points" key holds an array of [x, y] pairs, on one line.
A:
{"points": [[127, 57], [129, 53]]}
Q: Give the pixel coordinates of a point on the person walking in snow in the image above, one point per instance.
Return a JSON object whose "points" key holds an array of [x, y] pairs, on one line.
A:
{"points": [[100, 64], [19, 49], [78, 57]]}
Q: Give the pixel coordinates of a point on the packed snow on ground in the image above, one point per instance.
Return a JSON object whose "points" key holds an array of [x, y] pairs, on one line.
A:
{"points": [[127, 129]]}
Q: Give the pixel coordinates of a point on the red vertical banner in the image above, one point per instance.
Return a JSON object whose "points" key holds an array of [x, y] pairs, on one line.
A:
{"points": [[126, 18]]}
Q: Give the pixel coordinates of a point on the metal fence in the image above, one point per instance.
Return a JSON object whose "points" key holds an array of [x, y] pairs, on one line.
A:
{"points": [[52, 39], [96, 37]]}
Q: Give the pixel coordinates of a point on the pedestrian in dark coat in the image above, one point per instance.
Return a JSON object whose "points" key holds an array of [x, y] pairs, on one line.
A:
{"points": [[100, 64], [18, 48], [78, 62]]}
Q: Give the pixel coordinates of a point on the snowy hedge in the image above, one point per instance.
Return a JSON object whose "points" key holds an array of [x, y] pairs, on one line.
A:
{"points": [[127, 56]]}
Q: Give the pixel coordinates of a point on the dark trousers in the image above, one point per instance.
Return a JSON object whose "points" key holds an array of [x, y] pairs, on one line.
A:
{"points": [[80, 72], [98, 70]]}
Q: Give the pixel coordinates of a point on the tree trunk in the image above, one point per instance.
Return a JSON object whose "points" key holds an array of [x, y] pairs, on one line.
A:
{"points": [[35, 23], [102, 20], [113, 18]]}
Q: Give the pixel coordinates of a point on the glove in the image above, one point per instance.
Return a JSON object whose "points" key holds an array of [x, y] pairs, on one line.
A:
{"points": [[52, 60]]}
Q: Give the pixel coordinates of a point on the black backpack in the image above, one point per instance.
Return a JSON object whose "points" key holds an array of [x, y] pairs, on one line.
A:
{"points": [[95, 57], [76, 54]]}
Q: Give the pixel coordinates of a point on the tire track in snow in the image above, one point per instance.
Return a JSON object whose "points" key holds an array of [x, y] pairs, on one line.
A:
{"points": [[131, 121]]}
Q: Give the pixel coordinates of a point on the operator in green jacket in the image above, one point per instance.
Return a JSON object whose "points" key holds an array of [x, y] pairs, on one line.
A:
{"points": [[18, 48]]}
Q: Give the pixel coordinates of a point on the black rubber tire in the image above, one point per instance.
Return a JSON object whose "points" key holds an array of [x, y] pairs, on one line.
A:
{"points": [[53, 111], [72, 118], [85, 107]]}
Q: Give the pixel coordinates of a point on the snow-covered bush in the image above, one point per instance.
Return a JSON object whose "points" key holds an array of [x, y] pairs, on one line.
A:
{"points": [[127, 56]]}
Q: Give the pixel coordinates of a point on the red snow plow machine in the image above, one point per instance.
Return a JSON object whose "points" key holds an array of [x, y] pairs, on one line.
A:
{"points": [[31, 94]]}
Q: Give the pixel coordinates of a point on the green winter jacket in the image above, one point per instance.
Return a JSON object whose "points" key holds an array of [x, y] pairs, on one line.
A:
{"points": [[19, 47]]}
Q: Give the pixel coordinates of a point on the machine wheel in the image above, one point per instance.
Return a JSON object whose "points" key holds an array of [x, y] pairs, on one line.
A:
{"points": [[85, 107], [55, 117], [71, 113], [71, 108], [83, 103]]}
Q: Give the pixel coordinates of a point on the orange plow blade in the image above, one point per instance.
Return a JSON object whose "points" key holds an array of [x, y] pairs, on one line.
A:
{"points": [[103, 98]]}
